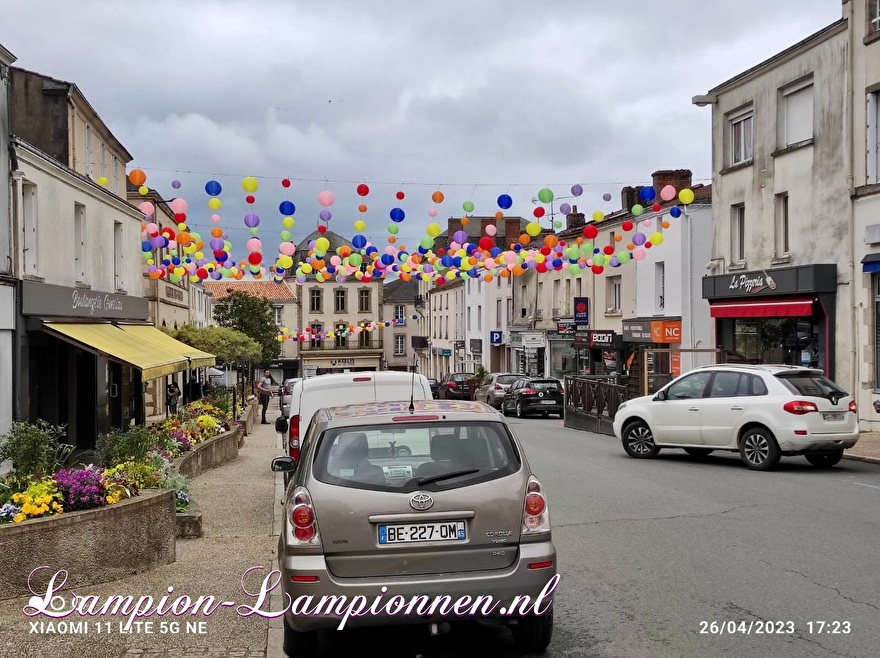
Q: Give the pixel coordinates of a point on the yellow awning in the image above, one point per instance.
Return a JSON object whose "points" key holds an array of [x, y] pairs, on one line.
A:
{"points": [[168, 344], [112, 342]]}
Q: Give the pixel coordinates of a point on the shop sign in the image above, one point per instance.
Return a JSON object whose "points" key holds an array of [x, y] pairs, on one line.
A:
{"points": [[347, 361], [516, 340], [581, 310], [779, 281], [566, 329], [458, 344], [600, 338], [637, 331], [46, 299], [751, 283], [582, 337], [495, 338], [476, 345], [666, 331], [445, 352], [533, 339]]}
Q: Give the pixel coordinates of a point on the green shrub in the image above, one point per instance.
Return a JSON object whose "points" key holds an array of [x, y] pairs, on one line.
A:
{"points": [[32, 449], [131, 444]]}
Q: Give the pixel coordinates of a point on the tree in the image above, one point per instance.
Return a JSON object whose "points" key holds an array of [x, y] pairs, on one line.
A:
{"points": [[228, 345], [251, 316]]}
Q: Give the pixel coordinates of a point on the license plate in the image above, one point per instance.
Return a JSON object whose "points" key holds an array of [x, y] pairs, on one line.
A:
{"points": [[548, 401], [836, 415], [415, 532]]}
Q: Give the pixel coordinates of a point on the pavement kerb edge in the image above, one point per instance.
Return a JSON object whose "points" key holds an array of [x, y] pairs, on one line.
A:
{"points": [[275, 638], [860, 458]]}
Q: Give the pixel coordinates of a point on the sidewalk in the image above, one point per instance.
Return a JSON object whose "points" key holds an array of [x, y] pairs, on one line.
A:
{"points": [[867, 449], [238, 502]]}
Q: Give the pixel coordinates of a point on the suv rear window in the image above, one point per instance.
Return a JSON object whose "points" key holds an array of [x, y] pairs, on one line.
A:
{"points": [[545, 385], [810, 384], [508, 379], [407, 457]]}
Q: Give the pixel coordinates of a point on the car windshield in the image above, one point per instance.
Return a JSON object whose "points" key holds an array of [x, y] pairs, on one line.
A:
{"points": [[545, 385], [405, 457], [460, 378], [810, 383], [507, 380]]}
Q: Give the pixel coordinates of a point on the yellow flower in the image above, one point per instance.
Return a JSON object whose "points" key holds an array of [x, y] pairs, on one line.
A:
{"points": [[19, 518]]}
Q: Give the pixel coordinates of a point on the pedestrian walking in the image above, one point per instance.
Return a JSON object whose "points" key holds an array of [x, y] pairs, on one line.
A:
{"points": [[173, 394], [264, 389]]}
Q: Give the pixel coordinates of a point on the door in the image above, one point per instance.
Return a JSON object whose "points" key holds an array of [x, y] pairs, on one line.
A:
{"points": [[723, 408], [677, 418]]}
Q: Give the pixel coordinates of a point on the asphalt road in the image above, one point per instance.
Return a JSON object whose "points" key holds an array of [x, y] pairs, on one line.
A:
{"points": [[651, 552]]}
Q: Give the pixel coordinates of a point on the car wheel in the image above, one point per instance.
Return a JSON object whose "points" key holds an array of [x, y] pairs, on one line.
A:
{"points": [[404, 451], [759, 450], [519, 410], [533, 633], [545, 414], [699, 452], [825, 459], [638, 441], [299, 644]]}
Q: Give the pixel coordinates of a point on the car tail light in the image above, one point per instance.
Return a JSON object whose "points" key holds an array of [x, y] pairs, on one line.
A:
{"points": [[853, 407], [451, 384], [498, 387], [293, 438], [529, 391], [301, 514], [536, 516], [799, 407]]}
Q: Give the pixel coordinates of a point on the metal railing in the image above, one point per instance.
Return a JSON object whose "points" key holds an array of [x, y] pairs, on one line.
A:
{"points": [[332, 345], [595, 395]]}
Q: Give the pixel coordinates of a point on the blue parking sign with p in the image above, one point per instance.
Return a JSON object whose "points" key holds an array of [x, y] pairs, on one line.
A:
{"points": [[496, 337]]}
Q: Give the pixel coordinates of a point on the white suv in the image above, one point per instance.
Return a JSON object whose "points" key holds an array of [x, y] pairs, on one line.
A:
{"points": [[761, 411]]}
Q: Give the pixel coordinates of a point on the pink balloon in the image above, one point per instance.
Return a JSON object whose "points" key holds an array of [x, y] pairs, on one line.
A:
{"points": [[335, 261], [325, 198], [287, 248], [667, 193], [490, 263], [178, 205], [147, 208], [215, 218], [432, 212], [254, 244], [491, 230], [152, 228], [639, 253]]}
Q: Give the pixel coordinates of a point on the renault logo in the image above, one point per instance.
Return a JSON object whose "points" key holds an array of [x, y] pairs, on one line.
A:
{"points": [[421, 501]]}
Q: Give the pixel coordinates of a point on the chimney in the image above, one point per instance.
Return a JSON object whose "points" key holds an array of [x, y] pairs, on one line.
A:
{"points": [[512, 229], [629, 197], [453, 227], [574, 218], [679, 179]]}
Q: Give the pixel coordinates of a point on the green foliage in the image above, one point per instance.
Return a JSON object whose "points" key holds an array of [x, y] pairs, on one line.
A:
{"points": [[32, 448], [480, 375], [227, 344], [251, 316], [118, 446]]}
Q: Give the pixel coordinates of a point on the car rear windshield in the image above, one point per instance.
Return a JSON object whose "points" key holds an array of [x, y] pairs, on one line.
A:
{"points": [[508, 379], [544, 385], [460, 378], [810, 384], [405, 457]]}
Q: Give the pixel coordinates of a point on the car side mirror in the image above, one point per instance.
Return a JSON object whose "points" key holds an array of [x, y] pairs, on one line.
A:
{"points": [[283, 464], [661, 396], [281, 425]]}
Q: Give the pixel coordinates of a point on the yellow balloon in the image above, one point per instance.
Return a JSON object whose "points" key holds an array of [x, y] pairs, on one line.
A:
{"points": [[686, 196], [598, 216], [306, 268], [285, 261], [250, 184], [214, 203], [533, 228], [434, 229], [102, 181], [656, 238], [360, 225], [288, 222], [322, 244], [144, 190]]}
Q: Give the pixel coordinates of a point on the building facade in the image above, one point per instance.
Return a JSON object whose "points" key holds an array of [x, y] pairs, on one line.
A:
{"points": [[7, 275], [446, 307], [401, 324]]}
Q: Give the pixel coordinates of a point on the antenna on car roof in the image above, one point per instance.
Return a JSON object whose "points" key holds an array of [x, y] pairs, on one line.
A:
{"points": [[412, 387]]}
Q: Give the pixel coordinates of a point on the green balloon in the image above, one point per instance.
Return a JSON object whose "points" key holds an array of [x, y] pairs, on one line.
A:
{"points": [[574, 270], [557, 223], [286, 236], [254, 230], [572, 253], [393, 229], [355, 259], [623, 256], [598, 259], [545, 195], [637, 209], [427, 242], [468, 206]]}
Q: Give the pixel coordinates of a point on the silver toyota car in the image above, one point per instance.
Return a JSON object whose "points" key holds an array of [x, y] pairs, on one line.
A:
{"points": [[454, 527]]}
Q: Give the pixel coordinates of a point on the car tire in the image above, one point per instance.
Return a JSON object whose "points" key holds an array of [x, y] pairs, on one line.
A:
{"points": [[299, 644], [699, 452], [825, 459], [404, 451], [638, 441], [533, 633], [545, 414], [759, 450], [519, 410]]}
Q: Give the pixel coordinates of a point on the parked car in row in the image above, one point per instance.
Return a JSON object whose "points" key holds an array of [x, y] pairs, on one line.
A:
{"points": [[454, 386], [764, 412], [462, 515], [284, 394], [494, 387], [533, 395], [435, 387]]}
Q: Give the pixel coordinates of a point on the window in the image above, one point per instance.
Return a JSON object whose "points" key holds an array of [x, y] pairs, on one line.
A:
{"points": [[498, 313], [479, 285], [873, 16], [874, 136], [782, 224], [87, 170], [690, 387], [399, 344], [364, 339], [278, 311], [578, 286], [103, 159], [446, 296], [510, 310], [469, 318], [399, 314], [29, 227], [797, 110], [660, 286], [741, 136], [117, 256], [613, 292], [365, 300], [479, 318], [342, 335], [315, 340], [566, 301], [316, 298], [725, 384], [738, 233], [115, 175], [79, 242], [876, 332], [339, 300]]}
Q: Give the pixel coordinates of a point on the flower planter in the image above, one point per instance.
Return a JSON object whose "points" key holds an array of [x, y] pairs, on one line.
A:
{"points": [[214, 452], [94, 546]]}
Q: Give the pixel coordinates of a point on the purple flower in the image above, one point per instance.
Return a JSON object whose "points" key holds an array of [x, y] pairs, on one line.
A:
{"points": [[81, 488]]}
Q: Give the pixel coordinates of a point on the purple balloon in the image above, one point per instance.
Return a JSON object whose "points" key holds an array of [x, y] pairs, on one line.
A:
{"points": [[217, 244], [175, 184], [252, 220], [325, 215], [639, 239], [615, 262], [460, 237], [606, 197], [577, 190], [565, 208], [216, 275]]}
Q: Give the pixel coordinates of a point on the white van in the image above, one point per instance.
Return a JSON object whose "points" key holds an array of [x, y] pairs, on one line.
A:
{"points": [[309, 395]]}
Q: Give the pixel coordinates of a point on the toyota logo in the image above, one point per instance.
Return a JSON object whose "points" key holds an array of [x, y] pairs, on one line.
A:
{"points": [[421, 501]]}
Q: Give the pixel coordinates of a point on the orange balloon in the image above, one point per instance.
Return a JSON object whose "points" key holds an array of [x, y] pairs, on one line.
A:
{"points": [[362, 208], [524, 239], [318, 264], [437, 197], [465, 221], [517, 269], [618, 238], [505, 273], [551, 241], [405, 276], [499, 215], [488, 278], [344, 251], [665, 224], [579, 240], [184, 239], [630, 246], [392, 239], [216, 232], [137, 177], [416, 258]]}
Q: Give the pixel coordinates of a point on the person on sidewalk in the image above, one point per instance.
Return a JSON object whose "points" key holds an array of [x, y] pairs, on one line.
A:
{"points": [[173, 397], [264, 389]]}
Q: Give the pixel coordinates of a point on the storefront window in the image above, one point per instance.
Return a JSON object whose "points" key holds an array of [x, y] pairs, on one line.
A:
{"points": [[563, 359], [792, 341]]}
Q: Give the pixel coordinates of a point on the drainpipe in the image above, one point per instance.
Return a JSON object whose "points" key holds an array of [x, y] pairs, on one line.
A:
{"points": [[848, 163]]}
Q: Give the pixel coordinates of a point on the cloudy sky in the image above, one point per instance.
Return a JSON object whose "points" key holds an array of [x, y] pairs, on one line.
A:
{"points": [[473, 98]]}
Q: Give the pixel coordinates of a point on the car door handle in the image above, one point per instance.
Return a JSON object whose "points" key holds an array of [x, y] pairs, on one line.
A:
{"points": [[693, 409], [736, 408]]}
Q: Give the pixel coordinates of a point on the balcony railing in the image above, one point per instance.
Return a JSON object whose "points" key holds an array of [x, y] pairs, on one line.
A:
{"points": [[349, 346]]}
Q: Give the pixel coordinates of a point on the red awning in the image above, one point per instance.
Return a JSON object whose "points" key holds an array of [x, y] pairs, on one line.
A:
{"points": [[763, 308]]}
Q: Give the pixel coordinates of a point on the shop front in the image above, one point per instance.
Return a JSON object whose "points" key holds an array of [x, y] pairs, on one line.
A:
{"points": [[325, 365], [85, 358], [563, 355], [784, 316], [645, 366], [599, 351]]}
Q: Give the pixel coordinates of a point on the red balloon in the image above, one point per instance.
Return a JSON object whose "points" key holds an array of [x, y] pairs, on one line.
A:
{"points": [[656, 207], [363, 190], [608, 249], [541, 267], [486, 243], [598, 269], [250, 198], [219, 254], [545, 250], [441, 251], [285, 182], [647, 245], [202, 273], [180, 217], [400, 195], [627, 226], [539, 212], [322, 229], [255, 258], [590, 231]]}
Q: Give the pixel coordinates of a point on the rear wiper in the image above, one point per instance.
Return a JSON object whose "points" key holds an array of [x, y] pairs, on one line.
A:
{"points": [[447, 476]]}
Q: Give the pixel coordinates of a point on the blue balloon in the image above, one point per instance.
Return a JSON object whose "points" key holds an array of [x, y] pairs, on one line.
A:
{"points": [[397, 215], [359, 242], [675, 211], [213, 188], [287, 208], [146, 246], [495, 252], [504, 201], [647, 194], [387, 259]]}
